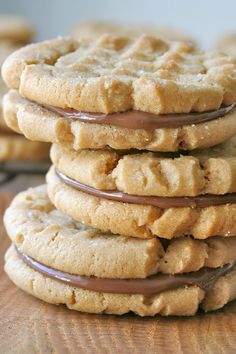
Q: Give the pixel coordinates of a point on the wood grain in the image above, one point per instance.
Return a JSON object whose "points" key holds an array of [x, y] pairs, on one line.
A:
{"points": [[29, 326]]}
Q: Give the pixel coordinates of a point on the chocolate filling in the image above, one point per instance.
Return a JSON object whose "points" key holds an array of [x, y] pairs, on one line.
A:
{"points": [[142, 120], [204, 278], [160, 202]]}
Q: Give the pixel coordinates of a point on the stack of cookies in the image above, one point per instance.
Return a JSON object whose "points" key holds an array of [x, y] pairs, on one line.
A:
{"points": [[139, 211], [15, 32]]}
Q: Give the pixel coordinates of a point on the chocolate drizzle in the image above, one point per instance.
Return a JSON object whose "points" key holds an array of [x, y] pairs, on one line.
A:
{"points": [[142, 120], [204, 278], [160, 202]]}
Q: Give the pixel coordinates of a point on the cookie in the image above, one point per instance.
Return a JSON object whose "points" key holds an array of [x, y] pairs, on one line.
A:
{"points": [[208, 171], [13, 33], [54, 239], [6, 48], [3, 127], [94, 29], [15, 29], [16, 147], [139, 220], [13, 146], [41, 124], [116, 74], [46, 226], [183, 301]]}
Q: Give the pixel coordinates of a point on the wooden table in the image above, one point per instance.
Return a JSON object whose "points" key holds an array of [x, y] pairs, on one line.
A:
{"points": [[28, 325]]}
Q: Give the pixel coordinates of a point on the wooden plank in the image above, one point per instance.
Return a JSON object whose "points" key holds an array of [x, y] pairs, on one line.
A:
{"points": [[28, 325]]}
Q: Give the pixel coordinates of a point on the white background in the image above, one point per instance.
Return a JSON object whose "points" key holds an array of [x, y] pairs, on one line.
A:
{"points": [[205, 20]]}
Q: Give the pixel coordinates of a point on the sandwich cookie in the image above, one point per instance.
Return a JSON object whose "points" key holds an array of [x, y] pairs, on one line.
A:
{"points": [[139, 219], [202, 173], [143, 93], [61, 261]]}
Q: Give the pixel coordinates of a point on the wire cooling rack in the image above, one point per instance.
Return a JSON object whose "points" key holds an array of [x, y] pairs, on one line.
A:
{"points": [[12, 169]]}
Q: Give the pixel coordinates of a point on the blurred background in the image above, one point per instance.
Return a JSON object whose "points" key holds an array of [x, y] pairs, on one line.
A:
{"points": [[204, 20]]}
